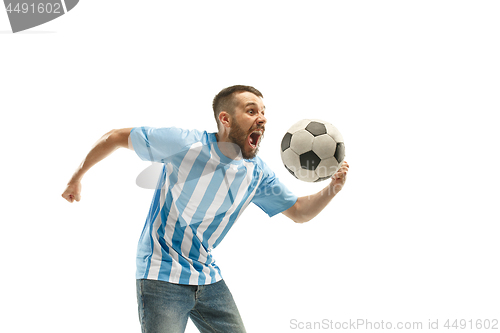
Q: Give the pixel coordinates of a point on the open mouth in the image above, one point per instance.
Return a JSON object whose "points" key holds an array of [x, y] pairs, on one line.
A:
{"points": [[253, 139]]}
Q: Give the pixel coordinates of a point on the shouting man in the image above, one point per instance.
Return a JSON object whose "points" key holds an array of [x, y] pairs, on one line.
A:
{"points": [[207, 181]]}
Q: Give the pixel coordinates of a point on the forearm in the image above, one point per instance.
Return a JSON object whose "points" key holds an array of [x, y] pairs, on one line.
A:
{"points": [[310, 206], [101, 149]]}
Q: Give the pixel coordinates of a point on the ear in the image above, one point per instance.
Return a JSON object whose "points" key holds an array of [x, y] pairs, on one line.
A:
{"points": [[225, 119]]}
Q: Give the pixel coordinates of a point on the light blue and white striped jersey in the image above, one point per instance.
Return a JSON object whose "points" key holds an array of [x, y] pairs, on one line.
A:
{"points": [[199, 195]]}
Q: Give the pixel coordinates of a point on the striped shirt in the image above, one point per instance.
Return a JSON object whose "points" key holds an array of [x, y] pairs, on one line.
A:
{"points": [[199, 195]]}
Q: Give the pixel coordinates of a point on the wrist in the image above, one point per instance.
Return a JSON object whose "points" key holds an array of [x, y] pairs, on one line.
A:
{"points": [[334, 187], [76, 178]]}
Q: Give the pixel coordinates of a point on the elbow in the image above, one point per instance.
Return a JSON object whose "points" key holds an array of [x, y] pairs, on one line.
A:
{"points": [[301, 219]]}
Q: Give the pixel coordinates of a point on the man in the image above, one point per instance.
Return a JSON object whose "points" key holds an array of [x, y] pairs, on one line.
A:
{"points": [[207, 180]]}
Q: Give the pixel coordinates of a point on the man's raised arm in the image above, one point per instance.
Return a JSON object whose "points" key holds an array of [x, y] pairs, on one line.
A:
{"points": [[308, 207], [111, 141]]}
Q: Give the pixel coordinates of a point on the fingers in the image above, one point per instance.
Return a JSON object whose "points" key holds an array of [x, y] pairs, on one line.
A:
{"points": [[341, 173], [343, 168], [72, 192], [341, 176], [71, 196], [68, 197]]}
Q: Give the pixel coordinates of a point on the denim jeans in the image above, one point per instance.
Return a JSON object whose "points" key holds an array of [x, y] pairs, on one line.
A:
{"points": [[165, 307]]}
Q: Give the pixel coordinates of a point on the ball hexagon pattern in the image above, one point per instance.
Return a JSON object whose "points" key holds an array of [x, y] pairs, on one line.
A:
{"points": [[312, 150]]}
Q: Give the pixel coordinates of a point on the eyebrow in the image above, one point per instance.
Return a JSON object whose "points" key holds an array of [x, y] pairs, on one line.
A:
{"points": [[253, 103]]}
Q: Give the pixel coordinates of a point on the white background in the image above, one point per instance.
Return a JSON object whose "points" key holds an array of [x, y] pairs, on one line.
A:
{"points": [[412, 85]]}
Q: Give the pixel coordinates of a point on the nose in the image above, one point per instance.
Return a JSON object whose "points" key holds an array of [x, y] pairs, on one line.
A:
{"points": [[261, 121]]}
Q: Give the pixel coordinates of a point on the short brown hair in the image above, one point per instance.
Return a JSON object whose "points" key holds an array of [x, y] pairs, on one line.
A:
{"points": [[224, 100]]}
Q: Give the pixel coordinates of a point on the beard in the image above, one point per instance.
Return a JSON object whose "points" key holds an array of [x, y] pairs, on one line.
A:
{"points": [[239, 137]]}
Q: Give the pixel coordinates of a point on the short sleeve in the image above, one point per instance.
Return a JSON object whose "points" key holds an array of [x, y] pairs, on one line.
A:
{"points": [[272, 196], [158, 144]]}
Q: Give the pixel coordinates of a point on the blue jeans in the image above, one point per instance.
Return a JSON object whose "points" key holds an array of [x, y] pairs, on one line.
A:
{"points": [[165, 307]]}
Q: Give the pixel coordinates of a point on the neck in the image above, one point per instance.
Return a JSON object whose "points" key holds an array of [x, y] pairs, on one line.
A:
{"points": [[227, 147]]}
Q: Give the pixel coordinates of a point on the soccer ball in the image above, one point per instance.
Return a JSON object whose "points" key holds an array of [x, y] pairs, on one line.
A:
{"points": [[312, 150]]}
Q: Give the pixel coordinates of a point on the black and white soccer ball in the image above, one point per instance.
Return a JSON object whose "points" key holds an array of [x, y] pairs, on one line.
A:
{"points": [[312, 150]]}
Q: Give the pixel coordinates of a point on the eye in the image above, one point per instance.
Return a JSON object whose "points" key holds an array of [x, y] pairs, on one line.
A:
{"points": [[251, 111]]}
